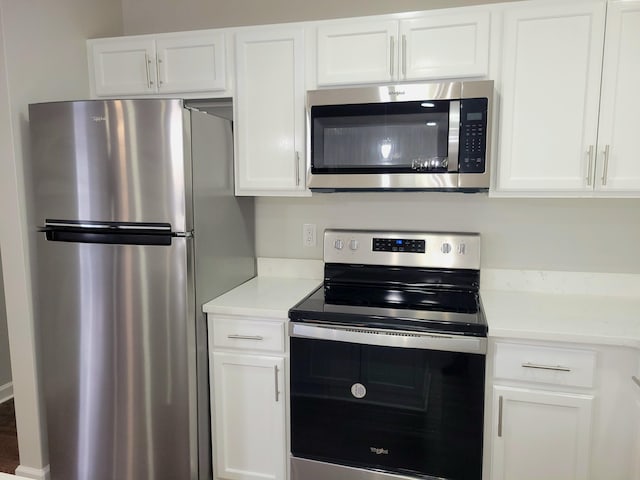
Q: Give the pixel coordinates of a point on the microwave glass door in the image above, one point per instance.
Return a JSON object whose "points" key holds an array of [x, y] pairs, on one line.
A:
{"points": [[380, 137]]}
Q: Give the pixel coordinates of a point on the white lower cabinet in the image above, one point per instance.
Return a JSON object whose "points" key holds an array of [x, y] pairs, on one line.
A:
{"points": [[540, 434], [249, 396], [249, 411], [542, 411], [562, 411]]}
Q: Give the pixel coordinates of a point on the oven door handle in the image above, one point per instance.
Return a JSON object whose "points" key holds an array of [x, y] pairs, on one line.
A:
{"points": [[390, 338]]}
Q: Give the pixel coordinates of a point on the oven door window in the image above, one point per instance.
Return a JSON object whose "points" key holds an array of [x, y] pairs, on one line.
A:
{"points": [[380, 138], [410, 411]]}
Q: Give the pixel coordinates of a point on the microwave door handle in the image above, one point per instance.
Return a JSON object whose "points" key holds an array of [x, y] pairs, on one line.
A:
{"points": [[454, 135]]}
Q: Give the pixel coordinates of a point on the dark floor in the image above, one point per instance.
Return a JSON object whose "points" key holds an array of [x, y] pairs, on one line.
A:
{"points": [[9, 459]]}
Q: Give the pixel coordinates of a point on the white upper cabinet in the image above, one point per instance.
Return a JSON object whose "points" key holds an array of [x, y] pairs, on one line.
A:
{"points": [[158, 64], [550, 88], [192, 63], [569, 99], [445, 46], [618, 159], [436, 45], [357, 53], [123, 66], [269, 112]]}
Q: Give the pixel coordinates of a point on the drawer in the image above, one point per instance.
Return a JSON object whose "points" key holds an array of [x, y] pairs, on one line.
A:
{"points": [[541, 364], [244, 334]]}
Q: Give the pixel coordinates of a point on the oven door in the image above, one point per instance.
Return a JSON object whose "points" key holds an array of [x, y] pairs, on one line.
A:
{"points": [[363, 405]]}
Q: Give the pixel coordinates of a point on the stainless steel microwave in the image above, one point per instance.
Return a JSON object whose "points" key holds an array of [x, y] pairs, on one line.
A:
{"points": [[428, 136]]}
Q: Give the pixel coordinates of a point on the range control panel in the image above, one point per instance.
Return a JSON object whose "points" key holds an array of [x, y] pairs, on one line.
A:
{"points": [[398, 245], [408, 249]]}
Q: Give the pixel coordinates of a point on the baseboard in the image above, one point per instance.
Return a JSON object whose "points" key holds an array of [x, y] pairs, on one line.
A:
{"points": [[6, 392], [34, 473]]}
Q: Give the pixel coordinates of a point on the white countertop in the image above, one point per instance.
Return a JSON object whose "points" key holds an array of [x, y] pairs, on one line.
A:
{"points": [[550, 306], [263, 296], [606, 320]]}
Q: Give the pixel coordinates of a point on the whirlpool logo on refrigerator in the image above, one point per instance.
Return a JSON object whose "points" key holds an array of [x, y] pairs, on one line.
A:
{"points": [[379, 451]]}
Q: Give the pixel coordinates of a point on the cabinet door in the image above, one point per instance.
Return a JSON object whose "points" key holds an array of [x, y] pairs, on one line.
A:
{"points": [[357, 53], [540, 435], [123, 66], [248, 417], [550, 93], [192, 63], [440, 46], [618, 159], [269, 120]]}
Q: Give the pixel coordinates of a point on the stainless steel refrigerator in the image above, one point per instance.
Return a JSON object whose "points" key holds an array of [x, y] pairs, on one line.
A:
{"points": [[135, 226]]}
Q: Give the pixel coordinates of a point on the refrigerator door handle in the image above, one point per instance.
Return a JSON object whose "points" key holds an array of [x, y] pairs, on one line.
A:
{"points": [[110, 226], [114, 233]]}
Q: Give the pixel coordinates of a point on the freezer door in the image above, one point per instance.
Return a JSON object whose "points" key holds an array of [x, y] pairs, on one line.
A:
{"points": [[111, 160], [116, 330]]}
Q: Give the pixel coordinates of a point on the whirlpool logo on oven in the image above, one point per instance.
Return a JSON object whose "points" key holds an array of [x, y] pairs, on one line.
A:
{"points": [[379, 451]]}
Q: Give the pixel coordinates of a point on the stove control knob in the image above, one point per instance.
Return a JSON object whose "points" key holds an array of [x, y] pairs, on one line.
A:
{"points": [[338, 244], [354, 244], [446, 248]]}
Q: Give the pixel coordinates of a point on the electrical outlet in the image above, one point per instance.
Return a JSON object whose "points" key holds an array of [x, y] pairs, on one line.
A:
{"points": [[309, 235]]}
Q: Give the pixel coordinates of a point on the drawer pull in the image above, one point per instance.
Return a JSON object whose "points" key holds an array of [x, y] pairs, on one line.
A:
{"points": [[636, 380], [245, 337], [556, 368]]}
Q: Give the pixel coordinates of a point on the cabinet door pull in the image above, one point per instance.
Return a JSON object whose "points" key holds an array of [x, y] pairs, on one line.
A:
{"points": [[297, 168], [605, 168], [245, 337], [158, 62], [392, 54], [500, 416], [636, 380], [147, 65], [275, 371], [590, 165], [557, 368], [404, 56]]}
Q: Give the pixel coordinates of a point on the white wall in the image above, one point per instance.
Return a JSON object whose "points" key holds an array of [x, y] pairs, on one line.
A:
{"points": [[42, 58], [155, 16], [541, 234]]}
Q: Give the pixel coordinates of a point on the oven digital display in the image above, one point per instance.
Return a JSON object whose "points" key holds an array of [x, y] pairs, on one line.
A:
{"points": [[398, 245]]}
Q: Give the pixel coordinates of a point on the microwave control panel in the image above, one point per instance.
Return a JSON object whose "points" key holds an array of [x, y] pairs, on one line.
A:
{"points": [[473, 135]]}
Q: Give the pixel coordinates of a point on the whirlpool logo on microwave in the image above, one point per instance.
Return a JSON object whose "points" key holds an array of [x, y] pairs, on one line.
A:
{"points": [[379, 451]]}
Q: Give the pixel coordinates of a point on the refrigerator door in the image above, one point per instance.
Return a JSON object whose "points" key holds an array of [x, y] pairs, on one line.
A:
{"points": [[116, 345], [111, 161]]}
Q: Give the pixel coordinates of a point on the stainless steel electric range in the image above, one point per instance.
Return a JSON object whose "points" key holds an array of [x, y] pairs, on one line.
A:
{"points": [[388, 360]]}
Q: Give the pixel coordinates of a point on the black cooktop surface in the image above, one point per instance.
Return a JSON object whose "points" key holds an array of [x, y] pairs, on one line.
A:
{"points": [[410, 299]]}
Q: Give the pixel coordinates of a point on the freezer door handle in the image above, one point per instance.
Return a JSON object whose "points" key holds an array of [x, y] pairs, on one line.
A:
{"points": [[116, 233]]}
